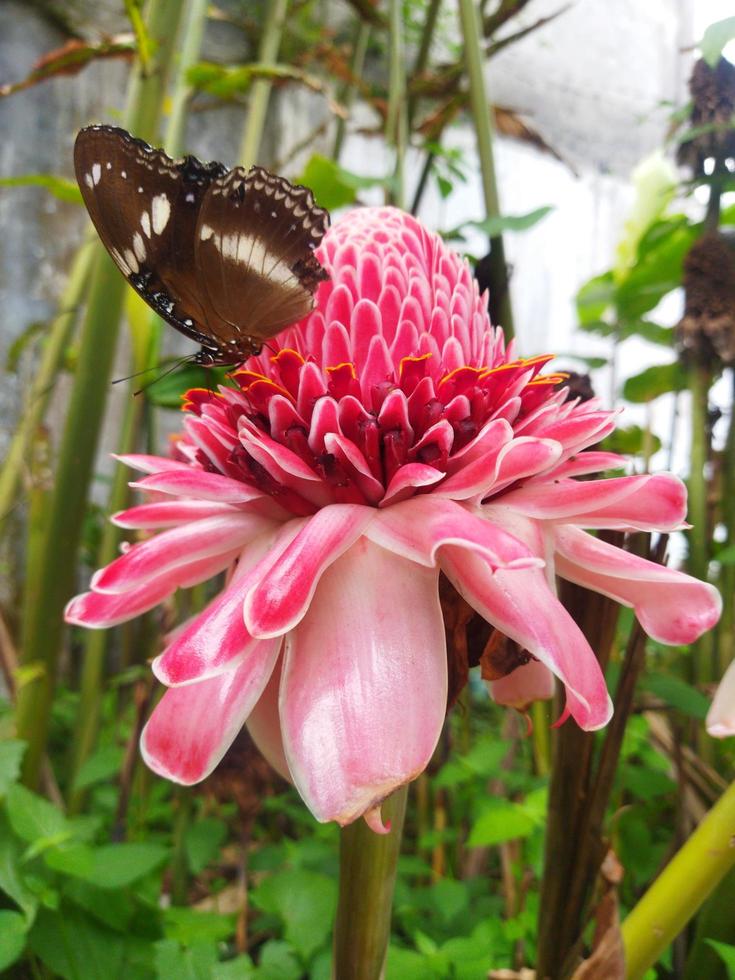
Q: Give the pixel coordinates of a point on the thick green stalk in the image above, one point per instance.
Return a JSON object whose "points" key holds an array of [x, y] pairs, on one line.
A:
{"points": [[347, 92], [395, 123], [482, 117], [43, 628], [681, 888], [422, 56], [43, 383], [367, 874], [260, 91]]}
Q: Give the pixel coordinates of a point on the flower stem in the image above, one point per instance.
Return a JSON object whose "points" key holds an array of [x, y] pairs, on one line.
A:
{"points": [[482, 116], [270, 42], [725, 639], [367, 876], [679, 891], [43, 626]]}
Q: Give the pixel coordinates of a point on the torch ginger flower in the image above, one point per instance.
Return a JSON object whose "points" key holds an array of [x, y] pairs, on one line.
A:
{"points": [[389, 436]]}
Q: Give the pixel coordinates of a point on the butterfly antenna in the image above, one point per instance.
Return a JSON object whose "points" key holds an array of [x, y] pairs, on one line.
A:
{"points": [[177, 364]]}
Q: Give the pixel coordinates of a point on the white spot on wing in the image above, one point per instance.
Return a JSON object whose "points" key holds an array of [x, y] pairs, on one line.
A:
{"points": [[160, 212], [88, 180], [251, 252], [206, 232], [96, 172], [131, 260], [122, 264], [124, 174], [145, 222], [189, 198], [108, 165], [138, 246]]}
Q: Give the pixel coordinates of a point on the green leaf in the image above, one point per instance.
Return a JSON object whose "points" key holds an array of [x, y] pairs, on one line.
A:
{"points": [[241, 968], [658, 269], [726, 556], [715, 38], [277, 962], [102, 765], [195, 963], [187, 926], [61, 187], [34, 819], [119, 865], [631, 440], [203, 841], [12, 879], [725, 951], [75, 947], [328, 183], [304, 901], [495, 225], [12, 937], [678, 694], [11, 756], [72, 858], [594, 297], [654, 382], [169, 389], [500, 821]]}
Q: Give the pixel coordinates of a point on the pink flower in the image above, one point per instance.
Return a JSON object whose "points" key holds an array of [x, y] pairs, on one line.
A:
{"points": [[721, 715], [390, 435]]}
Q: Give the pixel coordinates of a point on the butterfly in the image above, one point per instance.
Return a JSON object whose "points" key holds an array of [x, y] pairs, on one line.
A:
{"points": [[224, 256]]}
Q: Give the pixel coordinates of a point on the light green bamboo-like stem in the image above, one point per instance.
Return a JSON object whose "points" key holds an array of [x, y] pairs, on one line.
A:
{"points": [[260, 91], [367, 874], [422, 56], [43, 627], [681, 888], [725, 638], [482, 118], [698, 537], [95, 641], [191, 46], [395, 123], [347, 92], [45, 377]]}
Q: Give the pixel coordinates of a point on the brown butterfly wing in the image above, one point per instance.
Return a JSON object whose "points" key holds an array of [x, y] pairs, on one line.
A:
{"points": [[255, 241], [145, 207]]}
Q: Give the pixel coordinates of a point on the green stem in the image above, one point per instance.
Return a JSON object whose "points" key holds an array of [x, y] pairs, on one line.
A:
{"points": [[422, 56], [347, 92], [193, 32], [682, 887], [482, 116], [270, 42], [43, 627], [725, 638], [395, 122], [700, 379], [367, 874], [43, 384], [179, 863]]}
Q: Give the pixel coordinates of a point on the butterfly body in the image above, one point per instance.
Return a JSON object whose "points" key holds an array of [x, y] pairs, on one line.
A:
{"points": [[226, 257]]}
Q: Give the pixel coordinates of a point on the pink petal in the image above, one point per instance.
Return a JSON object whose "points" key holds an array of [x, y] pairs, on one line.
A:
{"points": [[529, 682], [418, 528], [176, 547], [264, 725], [364, 687], [169, 513], [217, 636], [149, 464], [188, 482], [192, 727], [100, 610], [721, 716], [635, 502], [281, 598], [520, 604], [407, 479], [671, 607]]}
